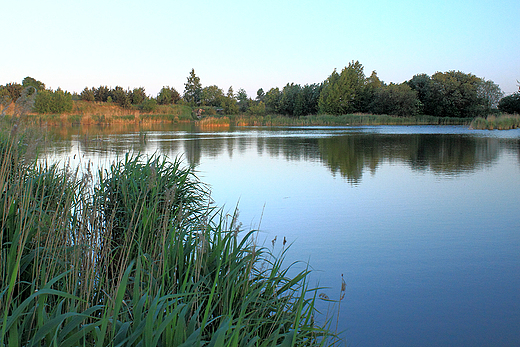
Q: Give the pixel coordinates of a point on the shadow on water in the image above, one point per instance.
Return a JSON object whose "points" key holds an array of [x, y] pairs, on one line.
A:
{"points": [[348, 154], [351, 155]]}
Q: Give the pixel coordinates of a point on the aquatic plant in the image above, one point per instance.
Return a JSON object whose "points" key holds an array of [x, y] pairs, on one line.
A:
{"points": [[137, 256], [501, 122]]}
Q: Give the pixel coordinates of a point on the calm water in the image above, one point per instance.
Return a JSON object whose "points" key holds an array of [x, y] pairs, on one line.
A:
{"points": [[423, 222]]}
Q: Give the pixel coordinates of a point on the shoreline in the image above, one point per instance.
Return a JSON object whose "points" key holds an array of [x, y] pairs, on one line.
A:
{"points": [[237, 120], [93, 113]]}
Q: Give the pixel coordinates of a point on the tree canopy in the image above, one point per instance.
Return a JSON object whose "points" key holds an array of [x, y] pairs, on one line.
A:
{"points": [[444, 94], [193, 89], [510, 103]]}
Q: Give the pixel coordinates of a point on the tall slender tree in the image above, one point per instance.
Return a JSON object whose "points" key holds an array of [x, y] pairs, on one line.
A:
{"points": [[193, 89]]}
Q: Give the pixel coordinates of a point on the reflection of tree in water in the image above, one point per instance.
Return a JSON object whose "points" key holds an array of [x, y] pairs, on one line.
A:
{"points": [[291, 148], [193, 149], [443, 154], [516, 146], [347, 155], [260, 145], [230, 141], [167, 145], [452, 154]]}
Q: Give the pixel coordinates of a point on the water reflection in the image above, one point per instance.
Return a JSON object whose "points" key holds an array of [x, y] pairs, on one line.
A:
{"points": [[422, 255], [442, 154], [345, 152]]}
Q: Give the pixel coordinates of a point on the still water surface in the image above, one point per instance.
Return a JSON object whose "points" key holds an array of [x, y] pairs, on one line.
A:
{"points": [[422, 221]]}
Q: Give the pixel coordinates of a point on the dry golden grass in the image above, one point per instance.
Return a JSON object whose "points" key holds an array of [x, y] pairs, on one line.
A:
{"points": [[89, 113]]}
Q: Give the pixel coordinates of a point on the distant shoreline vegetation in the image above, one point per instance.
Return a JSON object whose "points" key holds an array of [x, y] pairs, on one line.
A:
{"points": [[346, 97], [109, 114]]}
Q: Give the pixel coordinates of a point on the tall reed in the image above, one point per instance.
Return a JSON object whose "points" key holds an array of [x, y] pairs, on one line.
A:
{"points": [[501, 122], [138, 256]]}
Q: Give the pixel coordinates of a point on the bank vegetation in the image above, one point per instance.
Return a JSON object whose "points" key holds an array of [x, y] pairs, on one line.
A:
{"points": [[344, 97], [134, 255]]}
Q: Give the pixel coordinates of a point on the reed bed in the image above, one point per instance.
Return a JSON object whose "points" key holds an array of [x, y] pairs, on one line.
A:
{"points": [[348, 119], [137, 256], [501, 122]]}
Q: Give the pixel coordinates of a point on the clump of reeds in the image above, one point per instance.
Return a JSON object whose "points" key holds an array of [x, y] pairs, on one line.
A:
{"points": [[213, 121], [137, 256], [357, 119], [501, 122]]}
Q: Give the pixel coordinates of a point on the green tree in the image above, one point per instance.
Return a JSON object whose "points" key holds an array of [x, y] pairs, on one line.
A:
{"points": [[15, 90], [88, 94], [167, 96], [242, 100], [102, 93], [55, 102], [62, 101], [260, 95], [149, 105], [456, 95], [193, 89], [329, 97], [31, 82], [272, 101], [342, 93], [212, 96], [121, 97], [423, 85], [43, 102], [288, 101], [366, 96], [307, 100], [229, 103], [257, 108], [395, 99], [510, 103], [138, 96], [230, 93], [490, 93]]}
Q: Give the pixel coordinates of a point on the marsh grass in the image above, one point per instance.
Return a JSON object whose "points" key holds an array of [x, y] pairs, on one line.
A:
{"points": [[501, 122], [333, 120], [106, 113], [137, 256]]}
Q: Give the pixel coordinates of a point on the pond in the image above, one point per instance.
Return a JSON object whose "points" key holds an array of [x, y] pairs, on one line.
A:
{"points": [[421, 221]]}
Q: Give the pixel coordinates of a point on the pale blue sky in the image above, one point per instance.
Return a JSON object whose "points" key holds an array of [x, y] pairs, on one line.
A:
{"points": [[254, 44]]}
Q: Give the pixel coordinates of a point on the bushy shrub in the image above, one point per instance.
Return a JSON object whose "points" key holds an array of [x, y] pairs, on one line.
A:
{"points": [[48, 101], [149, 105], [88, 94]]}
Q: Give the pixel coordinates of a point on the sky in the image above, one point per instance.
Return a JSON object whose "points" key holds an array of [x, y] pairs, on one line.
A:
{"points": [[253, 44]]}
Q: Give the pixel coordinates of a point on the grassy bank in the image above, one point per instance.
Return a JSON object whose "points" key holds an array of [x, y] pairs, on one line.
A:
{"points": [[136, 256], [88, 113], [501, 122], [329, 120]]}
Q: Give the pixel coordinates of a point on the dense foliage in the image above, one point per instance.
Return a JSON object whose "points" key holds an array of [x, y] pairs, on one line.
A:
{"points": [[451, 94], [510, 103], [444, 94], [48, 101]]}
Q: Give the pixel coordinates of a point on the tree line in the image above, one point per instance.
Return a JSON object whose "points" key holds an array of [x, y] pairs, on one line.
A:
{"points": [[444, 94]]}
